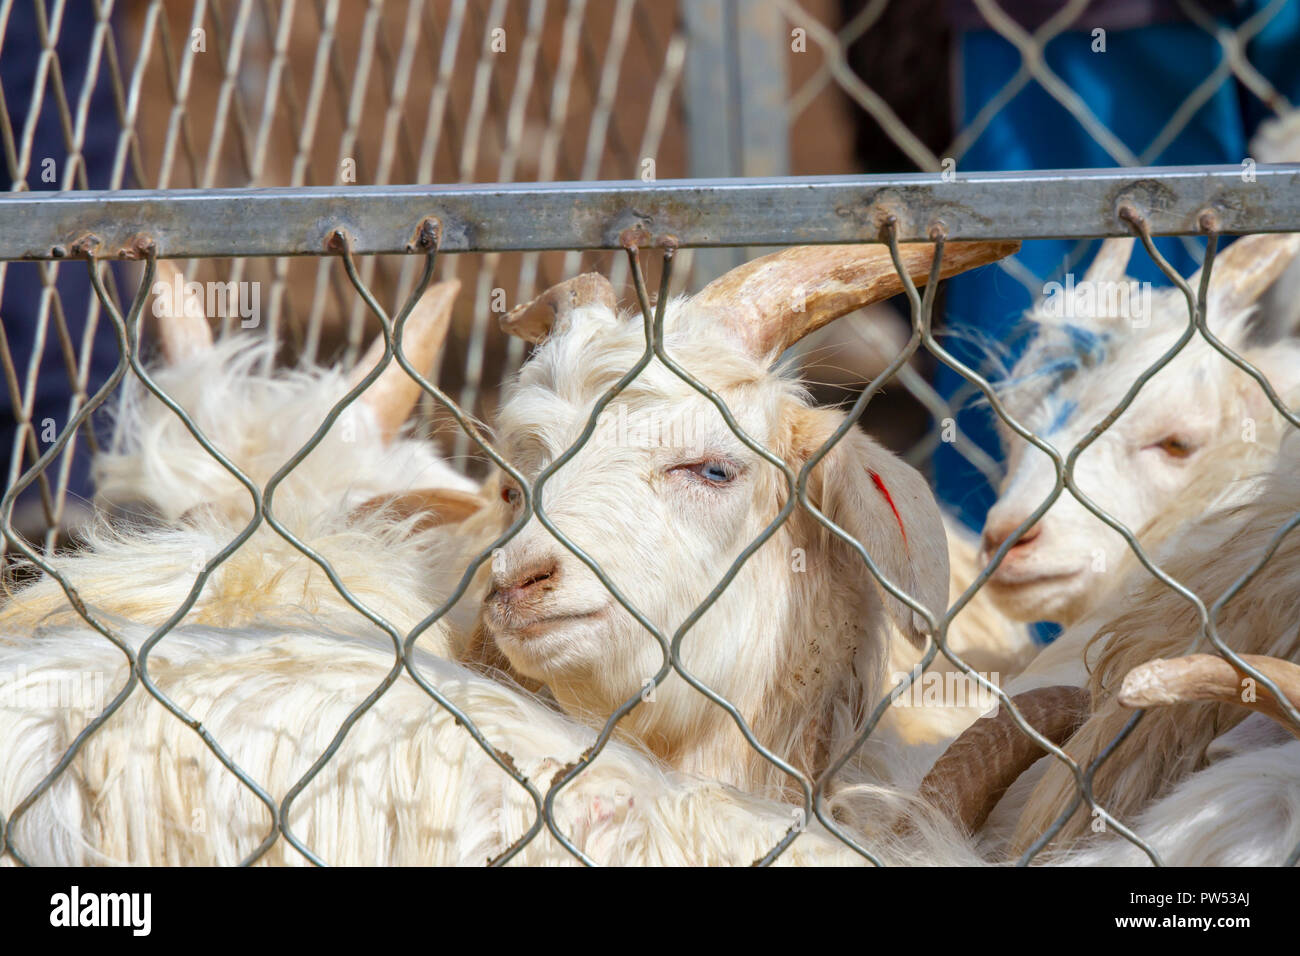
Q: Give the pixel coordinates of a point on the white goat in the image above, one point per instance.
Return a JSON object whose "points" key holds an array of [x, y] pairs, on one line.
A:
{"points": [[1200, 423], [799, 638], [408, 785], [1155, 622], [1162, 466], [154, 466], [260, 419]]}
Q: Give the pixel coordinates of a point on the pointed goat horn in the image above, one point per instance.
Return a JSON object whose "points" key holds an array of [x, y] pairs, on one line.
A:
{"points": [[183, 331], [774, 301], [392, 396], [977, 768], [1212, 678], [534, 320]]}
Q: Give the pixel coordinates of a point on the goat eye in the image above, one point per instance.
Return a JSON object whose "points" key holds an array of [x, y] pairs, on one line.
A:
{"points": [[1175, 447], [713, 472], [510, 494]]}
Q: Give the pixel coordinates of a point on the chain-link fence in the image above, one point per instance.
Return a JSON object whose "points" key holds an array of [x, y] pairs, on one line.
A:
{"points": [[327, 107]]}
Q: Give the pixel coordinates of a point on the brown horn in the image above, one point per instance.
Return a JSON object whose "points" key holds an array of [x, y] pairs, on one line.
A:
{"points": [[1110, 264], [978, 767], [392, 396], [184, 331], [1212, 678], [533, 320], [1247, 268], [774, 301]]}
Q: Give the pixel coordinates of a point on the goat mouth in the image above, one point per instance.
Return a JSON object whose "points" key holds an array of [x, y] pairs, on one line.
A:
{"points": [[525, 624], [1009, 578]]}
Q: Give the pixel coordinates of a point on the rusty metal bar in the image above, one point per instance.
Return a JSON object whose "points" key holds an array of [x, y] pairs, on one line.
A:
{"points": [[722, 212]]}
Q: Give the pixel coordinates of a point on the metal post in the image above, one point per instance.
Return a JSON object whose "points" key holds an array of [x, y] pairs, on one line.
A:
{"points": [[735, 97]]}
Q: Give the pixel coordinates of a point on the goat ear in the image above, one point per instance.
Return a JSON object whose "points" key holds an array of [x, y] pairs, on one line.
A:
{"points": [[534, 320], [1081, 307], [1280, 365], [433, 506], [1110, 264], [887, 506], [1277, 140]]}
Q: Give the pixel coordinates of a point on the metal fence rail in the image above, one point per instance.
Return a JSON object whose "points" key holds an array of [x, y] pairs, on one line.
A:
{"points": [[1071, 204]]}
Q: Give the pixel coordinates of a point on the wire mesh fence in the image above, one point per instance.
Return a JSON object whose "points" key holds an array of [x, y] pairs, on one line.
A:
{"points": [[284, 113]]}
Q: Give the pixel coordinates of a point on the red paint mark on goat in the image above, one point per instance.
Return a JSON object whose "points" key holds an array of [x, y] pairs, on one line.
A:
{"points": [[880, 486]]}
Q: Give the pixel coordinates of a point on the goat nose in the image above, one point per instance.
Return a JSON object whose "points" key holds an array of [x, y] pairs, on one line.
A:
{"points": [[530, 581], [997, 531]]}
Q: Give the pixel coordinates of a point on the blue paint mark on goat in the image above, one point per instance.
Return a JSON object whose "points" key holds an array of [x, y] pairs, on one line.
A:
{"points": [[1083, 348], [1063, 414], [1089, 346]]}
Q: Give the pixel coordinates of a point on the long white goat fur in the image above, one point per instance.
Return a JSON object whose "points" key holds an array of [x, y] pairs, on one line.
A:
{"points": [[407, 787]]}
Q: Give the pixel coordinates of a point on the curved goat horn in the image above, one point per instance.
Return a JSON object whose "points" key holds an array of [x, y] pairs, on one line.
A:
{"points": [[392, 396], [774, 301], [978, 767], [1212, 678], [1247, 268], [534, 320], [183, 330]]}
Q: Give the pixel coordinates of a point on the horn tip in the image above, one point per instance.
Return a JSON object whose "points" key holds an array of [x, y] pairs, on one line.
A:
{"points": [[1142, 686]]}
